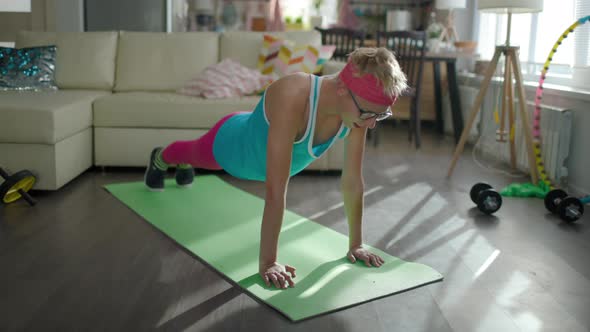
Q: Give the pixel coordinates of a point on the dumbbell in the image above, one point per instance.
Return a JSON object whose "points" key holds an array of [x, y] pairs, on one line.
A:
{"points": [[568, 208], [487, 199], [16, 186]]}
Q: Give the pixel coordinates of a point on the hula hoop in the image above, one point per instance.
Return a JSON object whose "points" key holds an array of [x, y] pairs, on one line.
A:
{"points": [[539, 96]]}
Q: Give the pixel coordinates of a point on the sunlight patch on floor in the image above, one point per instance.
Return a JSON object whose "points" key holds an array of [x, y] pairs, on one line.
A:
{"points": [[442, 234], [475, 251], [395, 172], [528, 319], [486, 264], [326, 211], [324, 280], [410, 208]]}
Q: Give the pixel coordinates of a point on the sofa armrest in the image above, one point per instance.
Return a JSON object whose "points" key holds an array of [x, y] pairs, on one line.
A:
{"points": [[333, 67]]}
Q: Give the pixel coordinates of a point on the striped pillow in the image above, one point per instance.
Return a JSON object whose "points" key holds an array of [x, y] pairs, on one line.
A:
{"points": [[268, 53], [304, 58], [225, 79]]}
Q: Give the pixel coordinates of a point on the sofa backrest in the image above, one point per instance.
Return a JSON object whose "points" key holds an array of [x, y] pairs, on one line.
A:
{"points": [[151, 61], [84, 60], [148, 61], [244, 46]]}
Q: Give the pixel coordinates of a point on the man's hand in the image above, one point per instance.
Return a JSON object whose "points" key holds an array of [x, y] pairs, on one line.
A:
{"points": [[277, 274], [366, 256]]}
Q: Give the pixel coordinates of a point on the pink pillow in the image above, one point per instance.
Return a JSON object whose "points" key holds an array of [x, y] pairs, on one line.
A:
{"points": [[224, 80]]}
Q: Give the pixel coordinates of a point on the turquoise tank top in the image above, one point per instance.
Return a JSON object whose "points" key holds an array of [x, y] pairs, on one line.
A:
{"points": [[239, 146]]}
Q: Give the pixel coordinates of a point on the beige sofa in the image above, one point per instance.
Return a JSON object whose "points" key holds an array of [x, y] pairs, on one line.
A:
{"points": [[117, 100]]}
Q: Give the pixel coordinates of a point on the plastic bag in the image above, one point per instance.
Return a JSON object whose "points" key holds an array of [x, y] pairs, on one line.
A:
{"points": [[526, 190]]}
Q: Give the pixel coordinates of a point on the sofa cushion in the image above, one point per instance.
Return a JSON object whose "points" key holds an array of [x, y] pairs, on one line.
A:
{"points": [[163, 61], [85, 60], [165, 110], [245, 46], [45, 117]]}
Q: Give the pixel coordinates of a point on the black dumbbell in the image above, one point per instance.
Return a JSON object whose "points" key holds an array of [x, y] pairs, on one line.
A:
{"points": [[568, 208], [487, 199], [16, 186]]}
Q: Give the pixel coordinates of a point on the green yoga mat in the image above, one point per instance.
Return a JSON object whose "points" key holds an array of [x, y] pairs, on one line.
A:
{"points": [[220, 225]]}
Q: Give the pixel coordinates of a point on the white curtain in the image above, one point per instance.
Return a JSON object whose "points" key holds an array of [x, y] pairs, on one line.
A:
{"points": [[582, 35], [276, 21]]}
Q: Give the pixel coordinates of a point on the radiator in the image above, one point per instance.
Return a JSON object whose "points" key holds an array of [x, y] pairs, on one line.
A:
{"points": [[556, 125]]}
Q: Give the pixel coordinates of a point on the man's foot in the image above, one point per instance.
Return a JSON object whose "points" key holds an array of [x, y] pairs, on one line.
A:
{"points": [[156, 171], [185, 174]]}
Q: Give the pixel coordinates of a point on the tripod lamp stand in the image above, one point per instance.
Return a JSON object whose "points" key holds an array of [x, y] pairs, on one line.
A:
{"points": [[511, 67]]}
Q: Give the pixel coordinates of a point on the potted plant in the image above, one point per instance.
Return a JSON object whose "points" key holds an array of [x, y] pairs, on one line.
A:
{"points": [[294, 23], [299, 23]]}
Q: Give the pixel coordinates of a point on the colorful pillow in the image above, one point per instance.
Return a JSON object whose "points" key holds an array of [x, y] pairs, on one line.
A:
{"points": [[225, 79], [305, 58], [279, 57], [324, 54], [27, 69], [269, 52]]}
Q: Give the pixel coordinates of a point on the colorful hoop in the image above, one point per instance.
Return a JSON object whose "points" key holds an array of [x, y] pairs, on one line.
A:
{"points": [[539, 96]]}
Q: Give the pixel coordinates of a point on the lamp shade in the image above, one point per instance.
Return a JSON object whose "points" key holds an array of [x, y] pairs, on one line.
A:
{"points": [[510, 6], [450, 4]]}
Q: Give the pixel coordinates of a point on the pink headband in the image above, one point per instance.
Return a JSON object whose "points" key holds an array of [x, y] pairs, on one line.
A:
{"points": [[366, 86]]}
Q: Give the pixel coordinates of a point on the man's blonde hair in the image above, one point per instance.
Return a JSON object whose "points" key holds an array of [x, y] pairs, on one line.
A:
{"points": [[382, 64]]}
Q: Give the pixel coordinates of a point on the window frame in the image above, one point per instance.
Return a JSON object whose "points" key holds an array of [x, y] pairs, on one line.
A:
{"points": [[560, 73]]}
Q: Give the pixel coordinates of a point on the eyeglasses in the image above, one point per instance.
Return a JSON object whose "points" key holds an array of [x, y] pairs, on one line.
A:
{"points": [[366, 115]]}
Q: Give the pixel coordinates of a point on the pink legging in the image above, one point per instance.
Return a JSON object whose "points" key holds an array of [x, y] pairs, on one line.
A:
{"points": [[198, 152]]}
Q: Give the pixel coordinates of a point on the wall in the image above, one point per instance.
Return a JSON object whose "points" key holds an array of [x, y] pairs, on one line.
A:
{"points": [[131, 15], [11, 23], [579, 153], [69, 15], [45, 15]]}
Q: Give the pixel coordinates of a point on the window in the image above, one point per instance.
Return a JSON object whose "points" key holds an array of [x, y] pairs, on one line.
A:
{"points": [[536, 34], [305, 8], [15, 6]]}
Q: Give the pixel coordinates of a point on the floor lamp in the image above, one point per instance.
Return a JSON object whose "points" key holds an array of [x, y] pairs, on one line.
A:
{"points": [[511, 67], [449, 31]]}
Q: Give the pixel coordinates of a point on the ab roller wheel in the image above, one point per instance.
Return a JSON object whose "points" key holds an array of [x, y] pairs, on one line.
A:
{"points": [[487, 199], [16, 186], [568, 208]]}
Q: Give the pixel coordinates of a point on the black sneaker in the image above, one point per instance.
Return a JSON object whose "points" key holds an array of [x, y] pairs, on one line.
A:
{"points": [[154, 176], [184, 176]]}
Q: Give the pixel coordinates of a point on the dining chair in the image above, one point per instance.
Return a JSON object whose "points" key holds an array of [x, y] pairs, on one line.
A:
{"points": [[409, 48], [346, 40]]}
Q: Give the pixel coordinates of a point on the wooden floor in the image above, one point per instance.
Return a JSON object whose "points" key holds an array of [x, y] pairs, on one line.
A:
{"points": [[82, 261]]}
